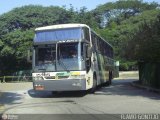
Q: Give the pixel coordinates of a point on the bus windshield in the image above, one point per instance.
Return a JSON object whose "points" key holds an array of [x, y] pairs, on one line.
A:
{"points": [[67, 56], [45, 58]]}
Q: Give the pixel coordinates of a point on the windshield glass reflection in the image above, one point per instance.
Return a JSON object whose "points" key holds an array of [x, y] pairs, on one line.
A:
{"points": [[68, 56], [45, 58], [59, 57]]}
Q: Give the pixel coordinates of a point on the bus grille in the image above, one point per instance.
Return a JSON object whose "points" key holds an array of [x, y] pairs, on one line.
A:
{"points": [[61, 77], [50, 77]]}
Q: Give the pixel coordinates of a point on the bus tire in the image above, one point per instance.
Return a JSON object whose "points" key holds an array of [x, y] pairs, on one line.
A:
{"points": [[93, 89], [110, 77]]}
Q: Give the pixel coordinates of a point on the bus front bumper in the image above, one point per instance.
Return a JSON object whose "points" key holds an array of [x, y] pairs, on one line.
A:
{"points": [[60, 85]]}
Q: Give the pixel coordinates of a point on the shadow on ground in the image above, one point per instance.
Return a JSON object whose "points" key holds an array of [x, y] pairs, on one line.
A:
{"points": [[11, 98], [47, 94], [120, 87], [15, 100], [123, 87]]}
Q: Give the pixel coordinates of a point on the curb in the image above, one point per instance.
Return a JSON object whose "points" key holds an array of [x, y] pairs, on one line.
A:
{"points": [[145, 87]]}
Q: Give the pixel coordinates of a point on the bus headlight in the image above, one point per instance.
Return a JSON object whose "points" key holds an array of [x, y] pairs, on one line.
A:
{"points": [[77, 75]]}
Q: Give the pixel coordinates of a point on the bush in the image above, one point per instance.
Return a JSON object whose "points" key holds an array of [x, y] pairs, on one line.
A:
{"points": [[123, 67], [128, 66]]}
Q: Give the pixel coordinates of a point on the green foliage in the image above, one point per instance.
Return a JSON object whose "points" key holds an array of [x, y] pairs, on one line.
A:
{"points": [[118, 33], [128, 25], [123, 67], [145, 43], [17, 42], [17, 30], [32, 16], [121, 10], [128, 65]]}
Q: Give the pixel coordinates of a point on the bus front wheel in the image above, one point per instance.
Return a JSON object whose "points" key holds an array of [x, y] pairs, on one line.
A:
{"points": [[110, 77], [93, 89]]}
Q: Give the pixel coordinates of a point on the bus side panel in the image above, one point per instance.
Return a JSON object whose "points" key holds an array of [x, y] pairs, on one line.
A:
{"points": [[94, 68], [103, 69]]}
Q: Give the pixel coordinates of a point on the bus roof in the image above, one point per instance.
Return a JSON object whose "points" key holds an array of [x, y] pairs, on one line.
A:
{"points": [[71, 25], [60, 26]]}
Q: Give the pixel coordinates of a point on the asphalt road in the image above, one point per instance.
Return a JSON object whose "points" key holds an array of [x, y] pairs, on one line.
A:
{"points": [[118, 98]]}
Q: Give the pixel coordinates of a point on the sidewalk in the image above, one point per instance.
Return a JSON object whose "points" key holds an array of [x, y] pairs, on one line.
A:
{"points": [[9, 87], [128, 75], [136, 84], [15, 86], [134, 75]]}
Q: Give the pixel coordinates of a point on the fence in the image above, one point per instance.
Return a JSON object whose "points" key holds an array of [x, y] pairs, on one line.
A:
{"points": [[149, 74], [20, 76]]}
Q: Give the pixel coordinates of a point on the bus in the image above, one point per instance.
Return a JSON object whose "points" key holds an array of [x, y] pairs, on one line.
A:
{"points": [[70, 57]]}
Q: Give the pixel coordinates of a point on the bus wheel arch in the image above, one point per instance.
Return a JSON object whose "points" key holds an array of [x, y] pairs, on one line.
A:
{"points": [[110, 77], [93, 89], [95, 77]]}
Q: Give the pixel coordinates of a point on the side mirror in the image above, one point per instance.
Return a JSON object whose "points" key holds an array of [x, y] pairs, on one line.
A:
{"points": [[88, 57], [89, 52], [29, 55]]}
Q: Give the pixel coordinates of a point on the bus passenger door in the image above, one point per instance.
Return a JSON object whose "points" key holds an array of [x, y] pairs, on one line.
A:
{"points": [[88, 53]]}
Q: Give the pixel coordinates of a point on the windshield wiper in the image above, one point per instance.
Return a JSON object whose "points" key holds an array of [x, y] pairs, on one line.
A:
{"points": [[42, 69]]}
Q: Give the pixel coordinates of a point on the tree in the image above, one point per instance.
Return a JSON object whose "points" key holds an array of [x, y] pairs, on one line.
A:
{"points": [[117, 22], [17, 32], [145, 43], [121, 10], [119, 35]]}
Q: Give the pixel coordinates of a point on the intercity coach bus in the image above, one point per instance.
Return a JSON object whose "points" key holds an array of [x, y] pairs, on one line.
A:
{"points": [[70, 57]]}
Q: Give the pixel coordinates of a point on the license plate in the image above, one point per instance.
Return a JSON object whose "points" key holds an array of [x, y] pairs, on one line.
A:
{"points": [[39, 87]]}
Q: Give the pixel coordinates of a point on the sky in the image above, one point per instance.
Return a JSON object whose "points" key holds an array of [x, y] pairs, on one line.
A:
{"points": [[8, 5]]}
